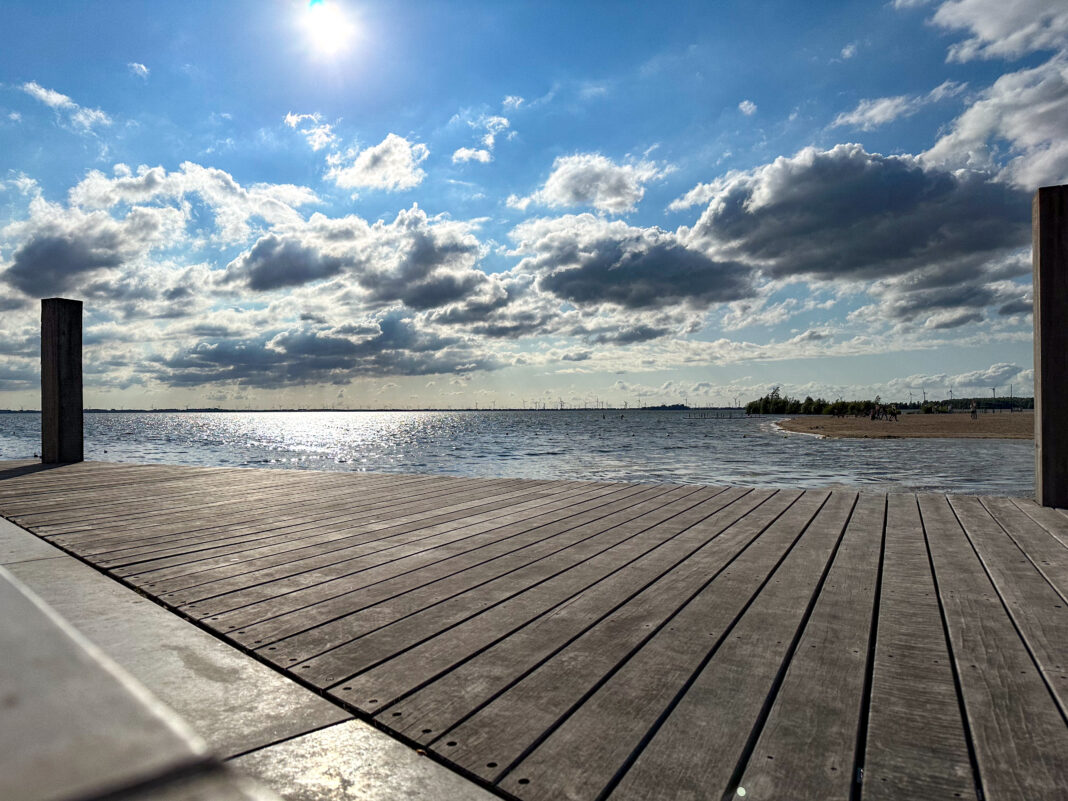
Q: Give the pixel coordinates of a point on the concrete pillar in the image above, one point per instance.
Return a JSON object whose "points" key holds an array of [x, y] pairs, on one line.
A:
{"points": [[1049, 231], [61, 381]]}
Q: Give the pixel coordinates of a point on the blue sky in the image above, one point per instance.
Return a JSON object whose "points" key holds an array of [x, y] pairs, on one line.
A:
{"points": [[434, 204]]}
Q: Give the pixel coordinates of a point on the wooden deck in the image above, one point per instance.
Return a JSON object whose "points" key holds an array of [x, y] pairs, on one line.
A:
{"points": [[577, 640]]}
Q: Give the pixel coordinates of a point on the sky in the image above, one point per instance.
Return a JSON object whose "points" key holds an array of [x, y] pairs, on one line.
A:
{"points": [[443, 204]]}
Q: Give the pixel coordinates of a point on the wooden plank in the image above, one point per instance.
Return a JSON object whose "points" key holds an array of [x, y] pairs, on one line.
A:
{"points": [[367, 511], [915, 746], [1037, 610], [213, 532], [694, 690], [329, 653], [660, 581], [270, 619], [807, 746], [1052, 520], [504, 731], [336, 542], [395, 551], [249, 509], [134, 561], [1046, 553], [437, 654], [140, 500], [1018, 731]]}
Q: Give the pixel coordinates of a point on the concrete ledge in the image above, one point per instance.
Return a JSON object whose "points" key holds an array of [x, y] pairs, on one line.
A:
{"points": [[355, 762], [231, 700], [74, 724]]}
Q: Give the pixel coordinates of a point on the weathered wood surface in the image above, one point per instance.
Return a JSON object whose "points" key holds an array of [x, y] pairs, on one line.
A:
{"points": [[589, 641]]}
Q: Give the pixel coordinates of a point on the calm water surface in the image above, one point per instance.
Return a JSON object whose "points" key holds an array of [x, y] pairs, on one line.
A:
{"points": [[640, 446]]}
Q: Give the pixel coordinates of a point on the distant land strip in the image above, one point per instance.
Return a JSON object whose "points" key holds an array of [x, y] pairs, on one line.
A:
{"points": [[989, 425]]}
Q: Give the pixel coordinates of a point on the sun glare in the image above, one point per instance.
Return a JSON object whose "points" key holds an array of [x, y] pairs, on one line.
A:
{"points": [[326, 27]]}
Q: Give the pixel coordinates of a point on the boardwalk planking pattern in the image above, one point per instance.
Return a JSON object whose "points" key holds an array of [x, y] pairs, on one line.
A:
{"points": [[587, 641]]}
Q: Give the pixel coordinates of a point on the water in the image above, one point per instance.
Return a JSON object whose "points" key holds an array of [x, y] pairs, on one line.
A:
{"points": [[642, 446]]}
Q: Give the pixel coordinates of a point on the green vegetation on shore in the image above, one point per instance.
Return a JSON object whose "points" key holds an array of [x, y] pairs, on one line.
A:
{"points": [[777, 403]]}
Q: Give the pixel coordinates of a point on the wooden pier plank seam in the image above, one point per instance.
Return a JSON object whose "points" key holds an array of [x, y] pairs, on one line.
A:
{"points": [[580, 640]]}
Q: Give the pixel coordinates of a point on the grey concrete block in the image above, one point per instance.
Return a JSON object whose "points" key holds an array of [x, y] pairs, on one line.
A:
{"points": [[19, 545], [234, 702], [219, 784], [355, 762], [72, 724]]}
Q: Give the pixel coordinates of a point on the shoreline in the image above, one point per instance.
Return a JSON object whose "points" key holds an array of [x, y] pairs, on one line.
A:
{"points": [[1005, 425]]}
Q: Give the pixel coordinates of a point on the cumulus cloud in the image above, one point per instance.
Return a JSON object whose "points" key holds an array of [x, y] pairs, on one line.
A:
{"points": [[512, 102], [233, 205], [994, 376], [82, 118], [392, 165], [275, 262], [56, 249], [847, 213], [587, 260], [465, 154], [1003, 28], [848, 51], [1028, 110], [138, 69], [391, 344], [416, 260], [590, 179], [930, 239], [747, 107], [870, 114], [318, 133]]}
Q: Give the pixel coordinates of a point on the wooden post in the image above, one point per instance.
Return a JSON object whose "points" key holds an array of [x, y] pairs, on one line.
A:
{"points": [[61, 381], [1049, 232]]}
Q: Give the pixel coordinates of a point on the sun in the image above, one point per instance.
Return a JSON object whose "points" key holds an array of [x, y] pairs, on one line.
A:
{"points": [[326, 27]]}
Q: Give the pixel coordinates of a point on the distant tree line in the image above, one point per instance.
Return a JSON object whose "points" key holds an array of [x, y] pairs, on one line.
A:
{"points": [[777, 403]]}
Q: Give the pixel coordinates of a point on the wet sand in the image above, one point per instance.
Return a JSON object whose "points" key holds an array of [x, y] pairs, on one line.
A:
{"points": [[1002, 425]]}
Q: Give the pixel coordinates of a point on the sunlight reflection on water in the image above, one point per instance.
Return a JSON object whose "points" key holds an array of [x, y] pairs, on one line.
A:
{"points": [[577, 445]]}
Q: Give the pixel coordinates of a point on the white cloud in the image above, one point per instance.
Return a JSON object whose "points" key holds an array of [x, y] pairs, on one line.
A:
{"points": [[465, 154], [870, 114], [1015, 127], [747, 107], [756, 311], [50, 97], [849, 51], [392, 165], [1004, 28], [138, 69], [512, 102], [79, 116], [934, 240], [489, 126], [493, 125], [233, 205], [588, 260], [57, 248], [318, 133], [995, 375], [590, 179], [1026, 109]]}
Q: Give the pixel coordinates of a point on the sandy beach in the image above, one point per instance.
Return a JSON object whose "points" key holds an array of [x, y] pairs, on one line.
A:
{"points": [[1003, 425]]}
